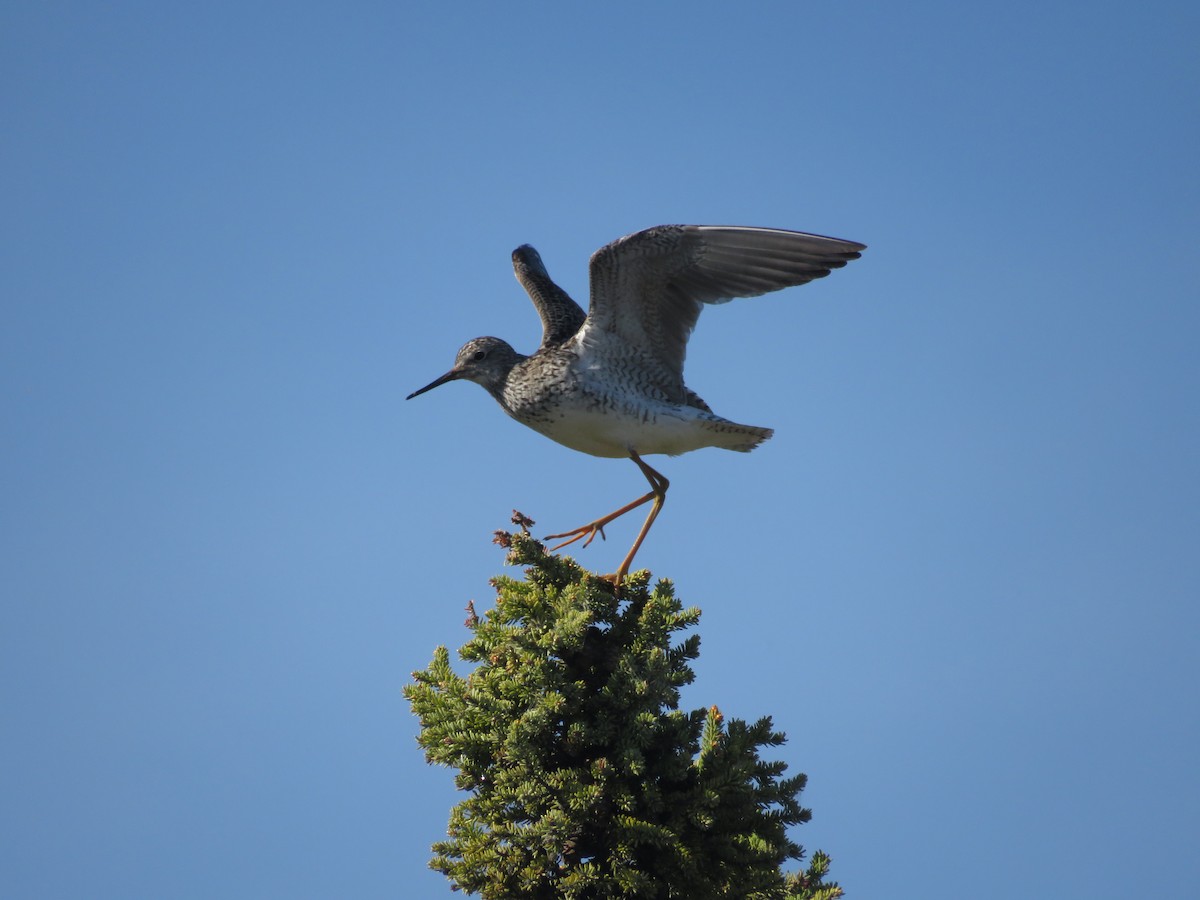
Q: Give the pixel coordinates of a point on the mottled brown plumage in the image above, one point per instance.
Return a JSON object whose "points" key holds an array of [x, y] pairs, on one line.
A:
{"points": [[611, 383]]}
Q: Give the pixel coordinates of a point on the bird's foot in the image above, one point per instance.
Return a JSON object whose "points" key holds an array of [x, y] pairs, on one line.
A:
{"points": [[592, 529], [588, 531], [616, 580]]}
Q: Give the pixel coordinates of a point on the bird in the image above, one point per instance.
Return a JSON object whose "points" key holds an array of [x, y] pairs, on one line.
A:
{"points": [[609, 383]]}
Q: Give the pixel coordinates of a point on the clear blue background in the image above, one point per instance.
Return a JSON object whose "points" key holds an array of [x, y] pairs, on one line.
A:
{"points": [[963, 576]]}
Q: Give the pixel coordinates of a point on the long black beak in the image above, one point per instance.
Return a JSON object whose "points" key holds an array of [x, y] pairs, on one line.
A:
{"points": [[449, 376]]}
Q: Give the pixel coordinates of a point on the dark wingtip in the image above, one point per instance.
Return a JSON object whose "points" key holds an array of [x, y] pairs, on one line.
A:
{"points": [[526, 257]]}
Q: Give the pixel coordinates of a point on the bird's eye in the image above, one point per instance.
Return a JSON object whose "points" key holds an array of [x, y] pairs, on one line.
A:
{"points": [[478, 355]]}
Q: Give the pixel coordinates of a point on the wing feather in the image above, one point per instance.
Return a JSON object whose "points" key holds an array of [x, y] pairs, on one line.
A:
{"points": [[561, 316], [649, 287]]}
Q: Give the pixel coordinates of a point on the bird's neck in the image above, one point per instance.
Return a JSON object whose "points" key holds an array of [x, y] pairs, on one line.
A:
{"points": [[498, 385]]}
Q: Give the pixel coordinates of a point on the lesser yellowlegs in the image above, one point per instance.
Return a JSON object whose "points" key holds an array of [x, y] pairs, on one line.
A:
{"points": [[611, 383]]}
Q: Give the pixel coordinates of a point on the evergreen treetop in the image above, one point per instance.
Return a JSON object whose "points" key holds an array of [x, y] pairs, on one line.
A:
{"points": [[584, 778]]}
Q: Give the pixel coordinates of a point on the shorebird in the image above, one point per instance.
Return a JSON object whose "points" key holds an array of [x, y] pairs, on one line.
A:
{"points": [[610, 383]]}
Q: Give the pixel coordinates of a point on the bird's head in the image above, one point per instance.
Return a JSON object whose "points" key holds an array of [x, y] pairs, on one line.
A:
{"points": [[483, 360]]}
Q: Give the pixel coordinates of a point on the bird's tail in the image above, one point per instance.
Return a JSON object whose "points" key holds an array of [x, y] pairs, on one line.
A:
{"points": [[732, 436]]}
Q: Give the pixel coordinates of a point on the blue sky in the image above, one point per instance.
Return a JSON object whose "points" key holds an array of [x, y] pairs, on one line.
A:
{"points": [[962, 577]]}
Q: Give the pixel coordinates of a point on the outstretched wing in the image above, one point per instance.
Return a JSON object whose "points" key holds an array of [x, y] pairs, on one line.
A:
{"points": [[649, 287], [561, 316]]}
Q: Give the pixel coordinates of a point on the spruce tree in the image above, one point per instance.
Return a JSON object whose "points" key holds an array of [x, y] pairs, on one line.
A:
{"points": [[584, 778]]}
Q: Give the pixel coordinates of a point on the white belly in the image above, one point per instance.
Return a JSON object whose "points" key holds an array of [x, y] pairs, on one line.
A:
{"points": [[613, 433]]}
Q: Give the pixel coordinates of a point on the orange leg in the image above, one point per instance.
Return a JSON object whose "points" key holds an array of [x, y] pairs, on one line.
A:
{"points": [[658, 493]]}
